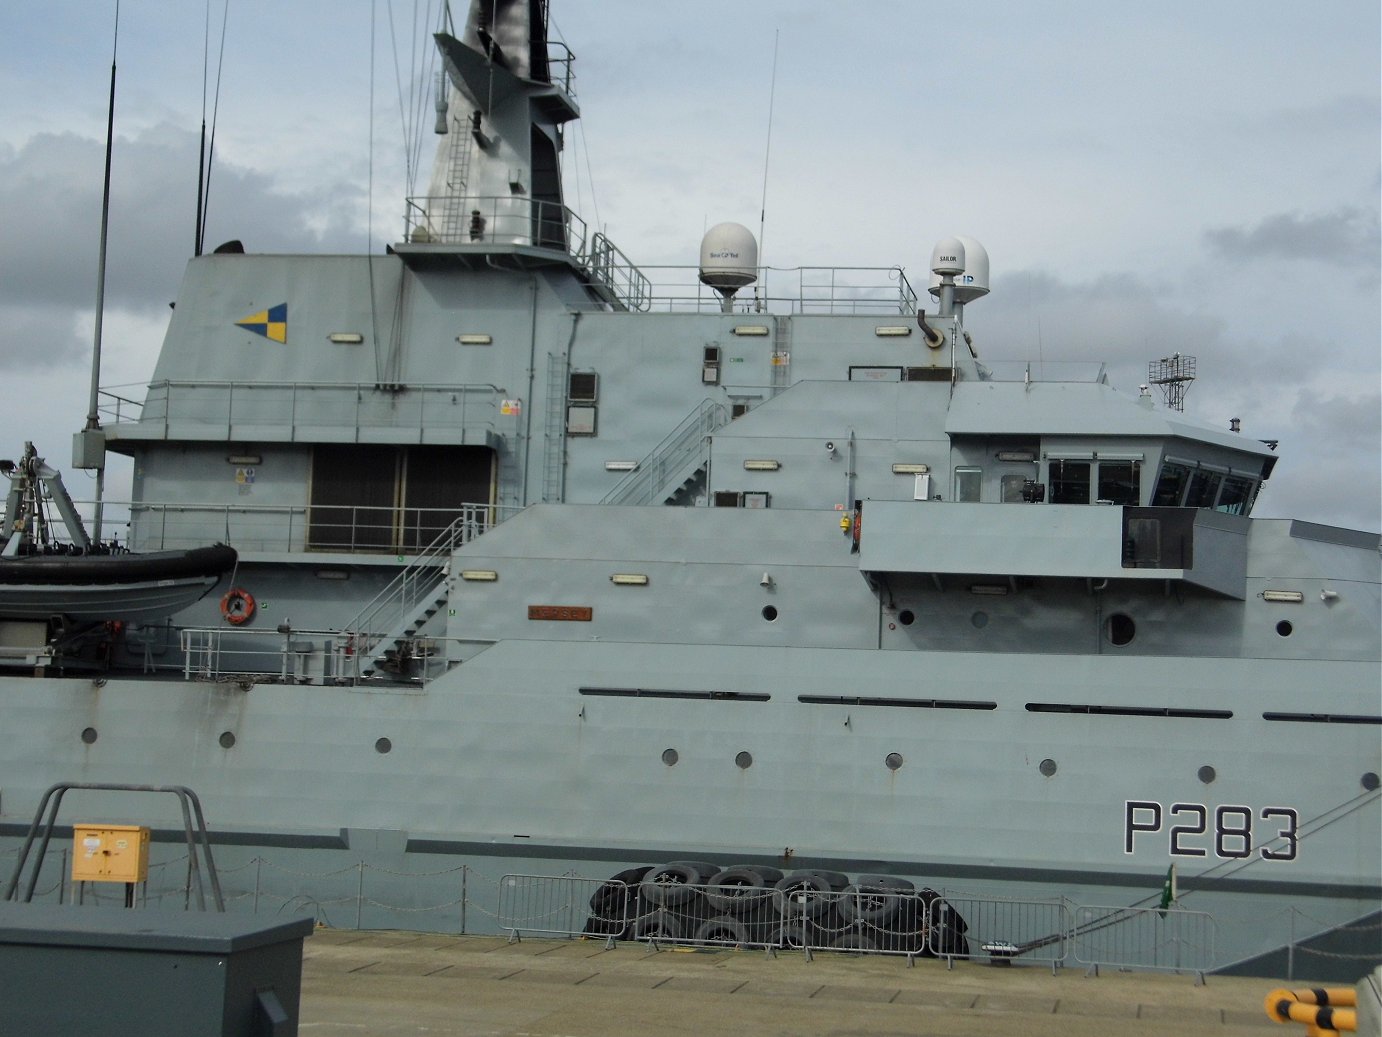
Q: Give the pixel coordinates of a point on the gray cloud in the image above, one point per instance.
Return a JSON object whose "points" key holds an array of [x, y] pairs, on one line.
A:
{"points": [[1348, 236]]}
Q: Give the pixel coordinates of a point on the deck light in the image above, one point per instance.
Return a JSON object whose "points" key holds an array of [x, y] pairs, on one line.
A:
{"points": [[1015, 455], [474, 340], [621, 466], [988, 588], [911, 469], [764, 465], [345, 338], [1292, 597], [752, 330], [479, 575], [892, 330], [244, 459], [629, 579]]}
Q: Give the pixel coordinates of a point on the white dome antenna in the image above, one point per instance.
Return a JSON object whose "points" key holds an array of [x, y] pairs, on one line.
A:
{"points": [[729, 260], [971, 281]]}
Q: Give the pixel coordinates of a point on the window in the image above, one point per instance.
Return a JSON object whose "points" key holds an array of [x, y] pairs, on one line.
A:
{"points": [[1120, 482], [582, 392], [967, 483], [1236, 496], [1069, 482], [1170, 487], [1204, 487]]}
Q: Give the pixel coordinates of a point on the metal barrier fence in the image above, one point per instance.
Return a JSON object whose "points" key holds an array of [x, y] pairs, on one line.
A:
{"points": [[876, 915], [1144, 938]]}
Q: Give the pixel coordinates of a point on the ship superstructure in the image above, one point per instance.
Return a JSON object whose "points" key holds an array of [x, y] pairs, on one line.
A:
{"points": [[545, 566]]}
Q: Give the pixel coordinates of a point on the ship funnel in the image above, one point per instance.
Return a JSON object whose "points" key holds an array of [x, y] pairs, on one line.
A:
{"points": [[729, 260]]}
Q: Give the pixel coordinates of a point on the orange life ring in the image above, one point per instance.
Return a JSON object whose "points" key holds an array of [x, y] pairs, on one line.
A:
{"points": [[237, 606]]}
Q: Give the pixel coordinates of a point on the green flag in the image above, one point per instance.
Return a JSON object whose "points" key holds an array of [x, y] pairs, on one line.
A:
{"points": [[1168, 891]]}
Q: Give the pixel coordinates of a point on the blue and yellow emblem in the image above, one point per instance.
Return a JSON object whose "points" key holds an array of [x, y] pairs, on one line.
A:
{"points": [[271, 323]]}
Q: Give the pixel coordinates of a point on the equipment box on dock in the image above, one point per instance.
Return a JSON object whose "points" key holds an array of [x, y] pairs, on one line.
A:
{"points": [[110, 853]]}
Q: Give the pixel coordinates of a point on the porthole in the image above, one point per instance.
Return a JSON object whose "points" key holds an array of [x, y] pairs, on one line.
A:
{"points": [[893, 761], [906, 617], [1284, 628], [227, 739], [670, 757], [1371, 781], [1047, 767], [769, 613], [89, 735], [980, 620], [743, 761], [1207, 774], [1121, 629], [383, 745]]}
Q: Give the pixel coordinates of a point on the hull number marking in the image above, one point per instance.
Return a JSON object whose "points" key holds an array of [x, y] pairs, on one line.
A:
{"points": [[1197, 830]]}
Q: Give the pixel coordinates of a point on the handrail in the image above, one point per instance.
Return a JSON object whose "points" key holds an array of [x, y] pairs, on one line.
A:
{"points": [[670, 456]]}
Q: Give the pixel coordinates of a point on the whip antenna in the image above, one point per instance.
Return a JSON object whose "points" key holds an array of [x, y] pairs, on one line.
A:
{"points": [[767, 150]]}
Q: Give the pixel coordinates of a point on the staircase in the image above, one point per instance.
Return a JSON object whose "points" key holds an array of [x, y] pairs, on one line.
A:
{"points": [[383, 636], [672, 470]]}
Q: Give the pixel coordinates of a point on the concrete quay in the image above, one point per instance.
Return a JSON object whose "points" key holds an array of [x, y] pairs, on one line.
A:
{"points": [[392, 984]]}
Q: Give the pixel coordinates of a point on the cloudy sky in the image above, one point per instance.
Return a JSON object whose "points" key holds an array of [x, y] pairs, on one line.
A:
{"points": [[1147, 178]]}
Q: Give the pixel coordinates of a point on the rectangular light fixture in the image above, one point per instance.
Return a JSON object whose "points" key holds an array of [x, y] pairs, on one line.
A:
{"points": [[1015, 455], [892, 330], [479, 575], [333, 574], [345, 338], [1292, 597], [752, 330], [244, 459], [911, 469], [988, 588], [474, 340], [629, 579], [621, 466], [762, 466]]}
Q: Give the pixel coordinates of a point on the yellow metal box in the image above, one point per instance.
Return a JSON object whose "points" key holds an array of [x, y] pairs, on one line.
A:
{"points": [[110, 853]]}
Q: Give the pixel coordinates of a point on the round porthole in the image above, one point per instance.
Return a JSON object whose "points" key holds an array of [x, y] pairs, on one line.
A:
{"points": [[1371, 781], [1207, 774], [383, 745], [227, 739], [1121, 629], [1284, 628], [670, 757], [1047, 767], [893, 761], [89, 735], [906, 617], [743, 761], [769, 613], [980, 620]]}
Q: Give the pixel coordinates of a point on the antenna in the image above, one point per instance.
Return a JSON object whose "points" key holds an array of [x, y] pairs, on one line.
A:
{"points": [[1173, 374], [767, 150]]}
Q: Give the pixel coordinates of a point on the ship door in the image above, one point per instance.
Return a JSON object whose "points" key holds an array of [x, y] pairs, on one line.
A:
{"points": [[373, 497]]}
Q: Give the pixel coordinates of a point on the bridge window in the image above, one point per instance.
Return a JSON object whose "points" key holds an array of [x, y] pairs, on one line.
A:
{"points": [[1236, 496], [1069, 482], [1204, 487], [1170, 487], [1120, 482]]}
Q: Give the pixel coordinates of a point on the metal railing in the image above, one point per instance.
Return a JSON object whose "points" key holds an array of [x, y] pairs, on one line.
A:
{"points": [[158, 526], [1168, 939], [306, 656], [678, 450], [250, 409], [858, 290]]}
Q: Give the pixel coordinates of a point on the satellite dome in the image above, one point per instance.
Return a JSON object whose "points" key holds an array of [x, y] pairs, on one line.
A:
{"points": [[729, 257], [948, 258], [973, 281]]}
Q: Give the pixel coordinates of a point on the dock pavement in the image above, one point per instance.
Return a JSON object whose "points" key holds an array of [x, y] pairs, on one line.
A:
{"points": [[390, 984]]}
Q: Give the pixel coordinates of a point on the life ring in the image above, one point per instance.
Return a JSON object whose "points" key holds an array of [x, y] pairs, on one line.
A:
{"points": [[237, 606]]}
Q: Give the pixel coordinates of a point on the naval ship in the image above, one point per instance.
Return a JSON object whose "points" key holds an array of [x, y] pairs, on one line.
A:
{"points": [[545, 567]]}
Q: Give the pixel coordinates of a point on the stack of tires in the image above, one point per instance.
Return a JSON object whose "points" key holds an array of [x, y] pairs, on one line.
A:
{"points": [[757, 905]]}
